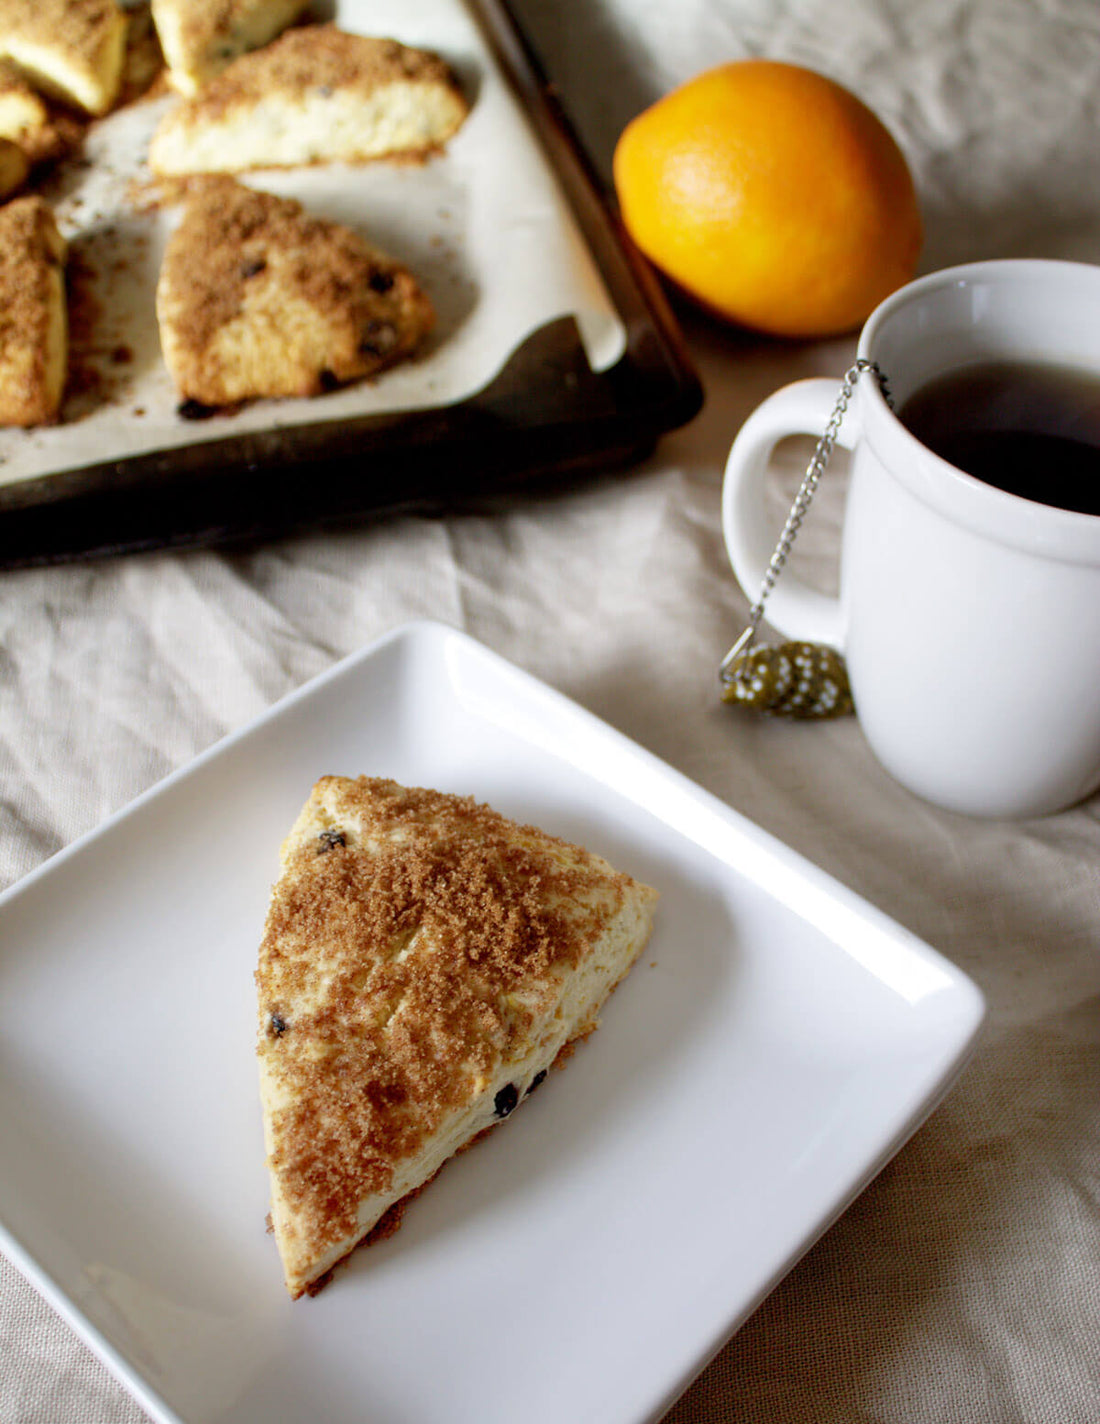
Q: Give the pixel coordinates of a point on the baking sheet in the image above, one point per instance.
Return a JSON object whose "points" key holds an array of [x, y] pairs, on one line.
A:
{"points": [[485, 226]]}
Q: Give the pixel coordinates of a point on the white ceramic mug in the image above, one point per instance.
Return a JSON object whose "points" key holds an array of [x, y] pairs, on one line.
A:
{"points": [[969, 618]]}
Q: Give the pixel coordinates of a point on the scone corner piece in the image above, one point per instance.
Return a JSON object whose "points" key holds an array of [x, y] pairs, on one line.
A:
{"points": [[33, 314], [424, 963], [201, 38], [72, 50], [258, 298], [21, 108]]}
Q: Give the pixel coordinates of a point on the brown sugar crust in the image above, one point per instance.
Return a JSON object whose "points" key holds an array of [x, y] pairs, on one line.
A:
{"points": [[316, 57], [200, 38], [29, 246], [445, 928], [203, 19], [229, 230], [31, 252], [69, 49], [83, 25], [387, 1225], [233, 239]]}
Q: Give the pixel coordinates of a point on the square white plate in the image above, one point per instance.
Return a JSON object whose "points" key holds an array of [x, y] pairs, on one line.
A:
{"points": [[777, 1042]]}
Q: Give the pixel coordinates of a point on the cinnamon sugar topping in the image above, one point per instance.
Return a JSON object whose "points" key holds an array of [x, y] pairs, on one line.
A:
{"points": [[32, 313], [258, 298], [318, 57], [409, 964], [70, 49], [82, 24]]}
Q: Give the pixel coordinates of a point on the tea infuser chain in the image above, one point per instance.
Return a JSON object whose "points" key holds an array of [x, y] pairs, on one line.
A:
{"points": [[795, 679]]}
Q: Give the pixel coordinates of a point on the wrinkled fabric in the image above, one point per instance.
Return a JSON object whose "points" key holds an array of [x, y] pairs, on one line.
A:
{"points": [[962, 1284]]}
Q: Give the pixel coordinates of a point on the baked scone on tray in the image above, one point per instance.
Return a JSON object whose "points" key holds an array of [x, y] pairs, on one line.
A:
{"points": [[424, 962], [33, 314], [200, 38], [317, 94], [71, 50], [257, 298]]}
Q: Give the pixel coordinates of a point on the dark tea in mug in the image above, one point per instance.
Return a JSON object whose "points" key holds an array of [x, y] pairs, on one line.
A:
{"points": [[1030, 429]]}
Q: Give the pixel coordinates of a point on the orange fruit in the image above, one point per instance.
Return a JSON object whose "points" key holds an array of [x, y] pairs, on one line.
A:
{"points": [[773, 196]]}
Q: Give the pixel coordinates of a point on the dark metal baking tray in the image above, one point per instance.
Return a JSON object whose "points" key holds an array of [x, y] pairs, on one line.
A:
{"points": [[546, 420]]}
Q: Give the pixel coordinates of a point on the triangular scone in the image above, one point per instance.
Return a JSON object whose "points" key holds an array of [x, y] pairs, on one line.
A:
{"points": [[258, 298], [315, 95], [200, 38], [33, 318], [71, 50], [425, 961]]}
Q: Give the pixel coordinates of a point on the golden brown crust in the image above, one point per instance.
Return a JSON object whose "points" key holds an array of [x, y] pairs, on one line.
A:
{"points": [[408, 947], [200, 38], [202, 21], [31, 257], [239, 252], [75, 47], [80, 24], [387, 1225]]}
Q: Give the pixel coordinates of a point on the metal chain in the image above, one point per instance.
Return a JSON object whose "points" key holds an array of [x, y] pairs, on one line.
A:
{"points": [[733, 667]]}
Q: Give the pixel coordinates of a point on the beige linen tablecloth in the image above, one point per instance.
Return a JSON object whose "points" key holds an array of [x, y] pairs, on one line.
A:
{"points": [[964, 1284]]}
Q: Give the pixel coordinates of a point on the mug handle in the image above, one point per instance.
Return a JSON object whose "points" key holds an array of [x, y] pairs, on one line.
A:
{"points": [[794, 608]]}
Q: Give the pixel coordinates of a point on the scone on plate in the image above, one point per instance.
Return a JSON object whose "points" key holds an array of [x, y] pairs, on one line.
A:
{"points": [[70, 50], [315, 95], [201, 37], [424, 963], [258, 298], [33, 317]]}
